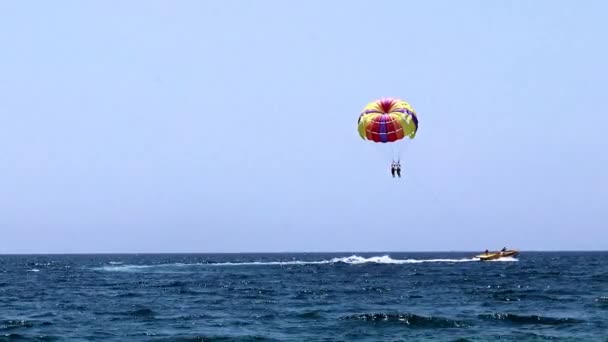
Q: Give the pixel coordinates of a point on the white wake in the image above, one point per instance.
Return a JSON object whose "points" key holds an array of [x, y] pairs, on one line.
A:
{"points": [[352, 260]]}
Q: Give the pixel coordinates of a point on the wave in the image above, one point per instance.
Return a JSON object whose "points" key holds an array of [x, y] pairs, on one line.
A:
{"points": [[215, 338], [409, 319], [13, 324], [142, 313], [529, 319], [602, 302]]}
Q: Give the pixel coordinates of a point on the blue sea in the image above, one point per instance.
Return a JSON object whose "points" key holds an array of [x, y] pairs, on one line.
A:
{"points": [[536, 296]]}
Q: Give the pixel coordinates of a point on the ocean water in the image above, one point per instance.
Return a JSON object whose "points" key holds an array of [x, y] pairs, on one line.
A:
{"points": [[537, 296]]}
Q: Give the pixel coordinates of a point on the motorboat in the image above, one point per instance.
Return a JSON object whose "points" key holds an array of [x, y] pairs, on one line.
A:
{"points": [[497, 255]]}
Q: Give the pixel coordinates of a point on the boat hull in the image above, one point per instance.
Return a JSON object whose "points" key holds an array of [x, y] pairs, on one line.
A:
{"points": [[497, 255]]}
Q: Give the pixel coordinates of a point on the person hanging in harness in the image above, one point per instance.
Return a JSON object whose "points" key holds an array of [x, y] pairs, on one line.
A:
{"points": [[396, 168]]}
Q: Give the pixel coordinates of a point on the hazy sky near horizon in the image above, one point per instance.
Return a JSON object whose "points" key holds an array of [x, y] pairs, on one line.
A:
{"points": [[230, 126]]}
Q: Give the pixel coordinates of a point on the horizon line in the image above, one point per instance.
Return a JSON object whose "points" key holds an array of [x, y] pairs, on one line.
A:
{"points": [[291, 252]]}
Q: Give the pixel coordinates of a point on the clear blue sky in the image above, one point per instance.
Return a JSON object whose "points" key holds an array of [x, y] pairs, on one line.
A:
{"points": [[230, 126]]}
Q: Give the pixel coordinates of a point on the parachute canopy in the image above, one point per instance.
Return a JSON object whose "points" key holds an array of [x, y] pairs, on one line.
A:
{"points": [[387, 120]]}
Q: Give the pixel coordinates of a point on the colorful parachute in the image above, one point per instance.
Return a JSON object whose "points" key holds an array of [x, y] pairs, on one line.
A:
{"points": [[387, 120]]}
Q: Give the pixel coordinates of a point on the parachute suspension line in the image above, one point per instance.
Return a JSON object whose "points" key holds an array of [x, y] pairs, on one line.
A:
{"points": [[398, 147], [397, 150]]}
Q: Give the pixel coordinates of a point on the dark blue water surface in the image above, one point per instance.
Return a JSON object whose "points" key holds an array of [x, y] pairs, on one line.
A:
{"points": [[304, 297]]}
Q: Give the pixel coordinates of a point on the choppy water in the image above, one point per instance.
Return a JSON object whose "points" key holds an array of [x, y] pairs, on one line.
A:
{"points": [[304, 297]]}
